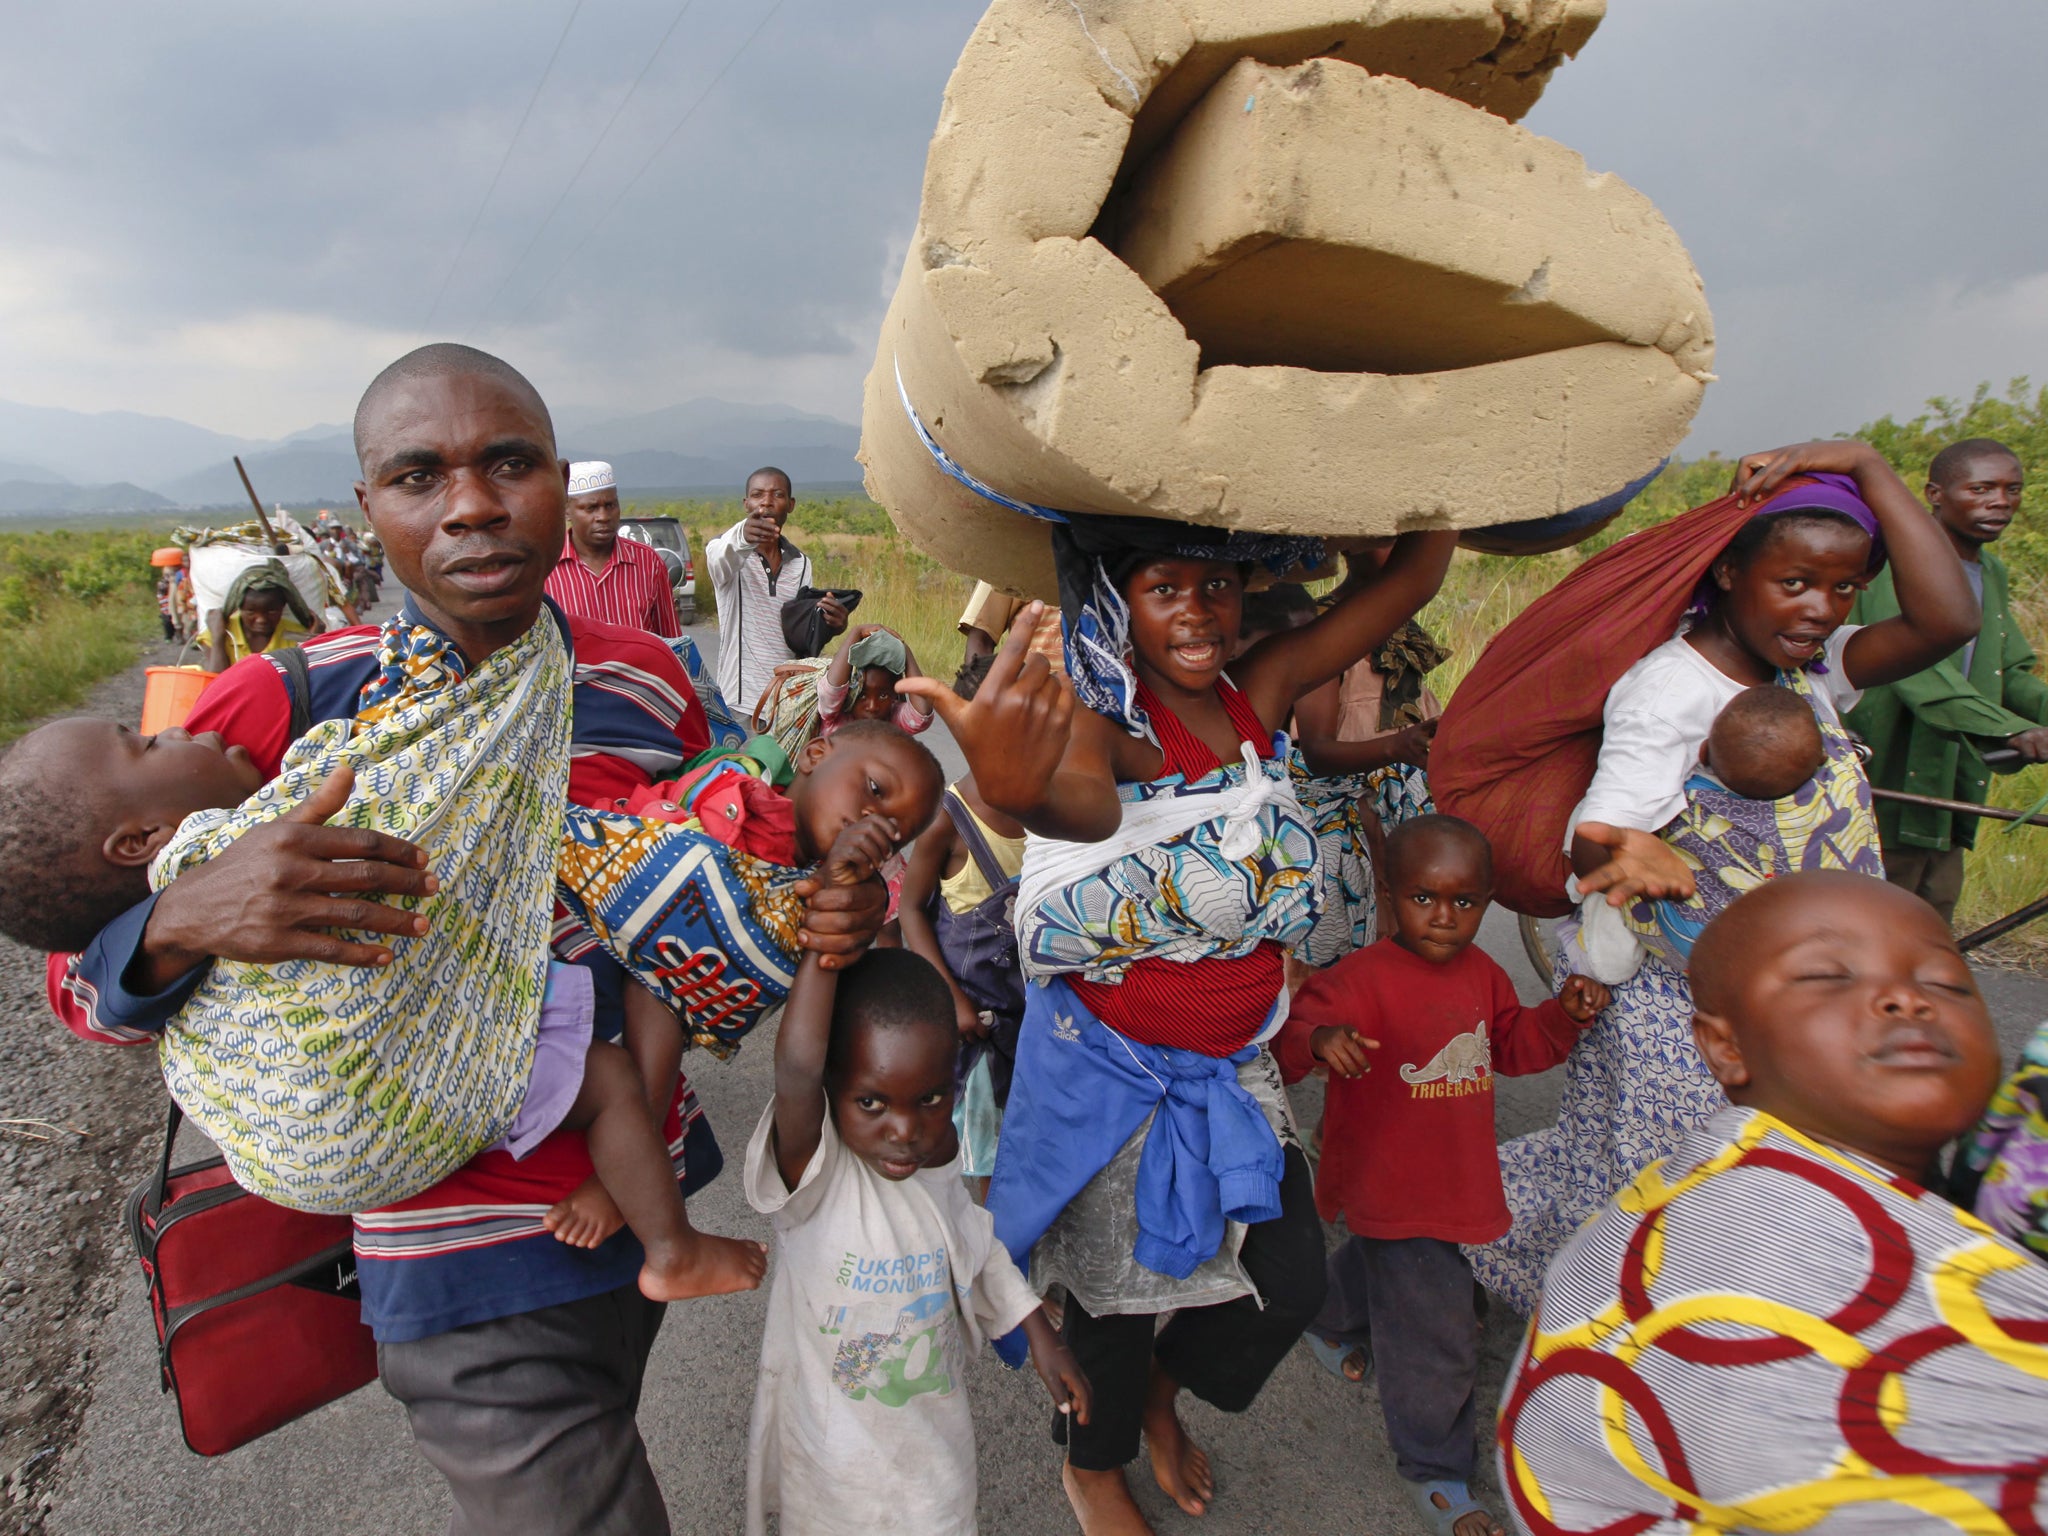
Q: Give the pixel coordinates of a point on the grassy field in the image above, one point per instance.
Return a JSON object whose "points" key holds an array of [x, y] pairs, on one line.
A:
{"points": [[76, 600], [75, 605], [855, 545]]}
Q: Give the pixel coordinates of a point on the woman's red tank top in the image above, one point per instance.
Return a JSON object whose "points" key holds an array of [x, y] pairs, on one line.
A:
{"points": [[1217, 1006]]}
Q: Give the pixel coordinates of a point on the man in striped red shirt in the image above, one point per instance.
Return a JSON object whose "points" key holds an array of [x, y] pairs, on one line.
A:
{"points": [[602, 576]]}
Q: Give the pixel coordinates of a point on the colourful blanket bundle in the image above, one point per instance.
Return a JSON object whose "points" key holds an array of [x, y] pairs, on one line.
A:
{"points": [[317, 1081], [710, 929]]}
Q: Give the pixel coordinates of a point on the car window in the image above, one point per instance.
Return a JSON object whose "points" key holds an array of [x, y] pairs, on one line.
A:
{"points": [[661, 532]]}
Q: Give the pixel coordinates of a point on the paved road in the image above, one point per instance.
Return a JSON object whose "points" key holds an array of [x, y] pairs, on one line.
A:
{"points": [[1310, 1457]]}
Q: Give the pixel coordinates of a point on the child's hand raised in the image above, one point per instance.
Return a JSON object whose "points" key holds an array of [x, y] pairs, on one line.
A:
{"points": [[1057, 1367], [1583, 998], [1342, 1049], [861, 848]]}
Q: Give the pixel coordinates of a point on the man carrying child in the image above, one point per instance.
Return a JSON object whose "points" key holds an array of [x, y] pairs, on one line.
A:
{"points": [[518, 1357]]}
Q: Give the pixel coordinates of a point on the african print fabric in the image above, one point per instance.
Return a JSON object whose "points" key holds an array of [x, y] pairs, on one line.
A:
{"points": [[710, 930], [1400, 792], [337, 1089], [2003, 1166], [728, 731], [1764, 1334], [1733, 844], [1339, 809], [1196, 870], [1635, 1084], [789, 709]]}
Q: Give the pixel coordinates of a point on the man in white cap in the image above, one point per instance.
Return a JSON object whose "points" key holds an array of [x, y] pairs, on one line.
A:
{"points": [[602, 576]]}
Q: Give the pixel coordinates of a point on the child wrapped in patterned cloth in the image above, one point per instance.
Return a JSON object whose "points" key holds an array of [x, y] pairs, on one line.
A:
{"points": [[316, 1081], [1780, 1327], [1766, 745]]}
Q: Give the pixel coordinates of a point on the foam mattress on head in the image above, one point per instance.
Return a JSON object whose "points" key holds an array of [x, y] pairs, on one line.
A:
{"points": [[1290, 268]]}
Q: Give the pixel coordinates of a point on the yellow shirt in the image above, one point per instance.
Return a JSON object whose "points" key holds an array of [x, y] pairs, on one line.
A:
{"points": [[967, 890], [289, 632]]}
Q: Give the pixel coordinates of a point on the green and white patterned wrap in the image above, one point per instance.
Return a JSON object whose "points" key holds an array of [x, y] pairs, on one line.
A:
{"points": [[334, 1088]]}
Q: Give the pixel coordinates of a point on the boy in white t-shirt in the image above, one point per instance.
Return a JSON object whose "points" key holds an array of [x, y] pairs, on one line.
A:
{"points": [[887, 1275]]}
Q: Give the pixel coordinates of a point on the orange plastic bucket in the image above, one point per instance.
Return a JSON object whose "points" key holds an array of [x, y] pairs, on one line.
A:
{"points": [[168, 694]]}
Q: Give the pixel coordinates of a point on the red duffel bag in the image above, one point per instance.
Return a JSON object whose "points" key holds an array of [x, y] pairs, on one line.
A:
{"points": [[1516, 747], [258, 1318]]}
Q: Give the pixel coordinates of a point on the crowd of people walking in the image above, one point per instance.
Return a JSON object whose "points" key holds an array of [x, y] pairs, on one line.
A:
{"points": [[1035, 1029]]}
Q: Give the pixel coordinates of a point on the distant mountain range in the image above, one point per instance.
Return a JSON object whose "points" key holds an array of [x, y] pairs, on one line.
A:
{"points": [[54, 460], [17, 496]]}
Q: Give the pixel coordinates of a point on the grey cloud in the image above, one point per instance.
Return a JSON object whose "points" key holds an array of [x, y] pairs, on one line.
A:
{"points": [[1860, 184]]}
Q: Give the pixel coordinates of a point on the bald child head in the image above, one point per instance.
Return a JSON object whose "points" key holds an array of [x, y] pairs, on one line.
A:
{"points": [[1841, 1005], [1765, 743], [1437, 837]]}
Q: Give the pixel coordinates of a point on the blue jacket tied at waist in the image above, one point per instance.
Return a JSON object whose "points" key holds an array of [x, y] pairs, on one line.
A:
{"points": [[1080, 1091]]}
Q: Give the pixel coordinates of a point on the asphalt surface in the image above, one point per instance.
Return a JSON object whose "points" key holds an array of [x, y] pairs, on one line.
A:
{"points": [[1310, 1456]]}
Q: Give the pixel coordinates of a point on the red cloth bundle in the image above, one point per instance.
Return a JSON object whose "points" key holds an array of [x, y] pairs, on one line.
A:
{"points": [[730, 803], [1516, 748]]}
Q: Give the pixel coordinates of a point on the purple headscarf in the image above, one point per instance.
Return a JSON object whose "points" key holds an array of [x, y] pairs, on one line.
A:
{"points": [[1821, 492], [1832, 493]]}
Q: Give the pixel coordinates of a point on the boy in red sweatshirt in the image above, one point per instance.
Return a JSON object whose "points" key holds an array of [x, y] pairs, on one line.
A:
{"points": [[1408, 1148]]}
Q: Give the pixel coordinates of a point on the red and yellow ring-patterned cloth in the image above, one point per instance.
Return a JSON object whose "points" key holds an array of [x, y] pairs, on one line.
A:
{"points": [[1764, 1334]]}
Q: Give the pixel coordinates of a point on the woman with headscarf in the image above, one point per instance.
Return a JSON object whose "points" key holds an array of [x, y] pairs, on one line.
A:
{"points": [[814, 696], [1770, 609], [262, 611]]}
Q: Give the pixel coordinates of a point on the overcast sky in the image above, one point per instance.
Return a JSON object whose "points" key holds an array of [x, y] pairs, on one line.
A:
{"points": [[234, 213]]}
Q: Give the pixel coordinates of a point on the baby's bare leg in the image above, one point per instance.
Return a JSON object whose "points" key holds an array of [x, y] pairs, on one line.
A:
{"points": [[626, 1150], [588, 1215]]}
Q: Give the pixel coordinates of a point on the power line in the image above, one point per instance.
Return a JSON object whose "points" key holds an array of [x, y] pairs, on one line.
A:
{"points": [[592, 227], [603, 134], [504, 160]]}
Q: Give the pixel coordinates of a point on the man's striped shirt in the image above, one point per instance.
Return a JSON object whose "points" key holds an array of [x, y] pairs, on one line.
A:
{"points": [[631, 591]]}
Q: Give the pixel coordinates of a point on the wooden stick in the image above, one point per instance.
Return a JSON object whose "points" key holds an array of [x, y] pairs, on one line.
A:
{"points": [[277, 545]]}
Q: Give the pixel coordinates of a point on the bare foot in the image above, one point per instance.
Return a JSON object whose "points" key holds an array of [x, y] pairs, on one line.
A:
{"points": [[1181, 1466], [1103, 1504], [703, 1265], [585, 1218]]}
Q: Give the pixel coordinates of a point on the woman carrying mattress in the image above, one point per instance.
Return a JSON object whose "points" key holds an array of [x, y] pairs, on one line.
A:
{"points": [[1148, 1162]]}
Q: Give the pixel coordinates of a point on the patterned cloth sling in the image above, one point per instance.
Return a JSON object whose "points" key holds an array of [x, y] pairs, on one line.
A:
{"points": [[1197, 869], [788, 711], [1763, 1333], [334, 1088], [710, 930], [1733, 845]]}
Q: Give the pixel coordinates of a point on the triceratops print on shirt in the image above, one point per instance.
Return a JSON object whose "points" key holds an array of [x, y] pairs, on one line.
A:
{"points": [[891, 1354], [1464, 1065]]}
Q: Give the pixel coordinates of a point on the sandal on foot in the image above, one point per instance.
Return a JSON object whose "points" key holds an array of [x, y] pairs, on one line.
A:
{"points": [[1442, 1521], [1333, 1356]]}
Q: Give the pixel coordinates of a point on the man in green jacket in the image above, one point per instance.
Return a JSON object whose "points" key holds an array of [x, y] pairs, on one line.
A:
{"points": [[1927, 732]]}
